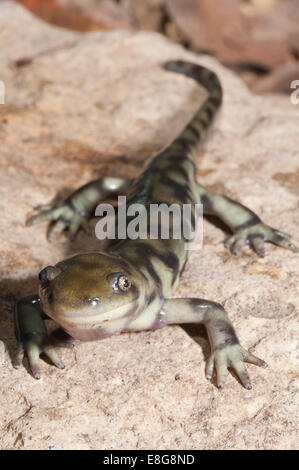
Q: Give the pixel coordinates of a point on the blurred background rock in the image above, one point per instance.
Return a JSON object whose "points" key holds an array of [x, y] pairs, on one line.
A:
{"points": [[258, 39]]}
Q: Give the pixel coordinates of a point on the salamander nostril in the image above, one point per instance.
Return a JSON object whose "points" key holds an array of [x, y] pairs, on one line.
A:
{"points": [[45, 275], [94, 301]]}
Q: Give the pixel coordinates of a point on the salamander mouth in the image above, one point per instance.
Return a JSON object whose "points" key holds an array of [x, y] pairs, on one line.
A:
{"points": [[46, 299], [43, 293], [88, 328]]}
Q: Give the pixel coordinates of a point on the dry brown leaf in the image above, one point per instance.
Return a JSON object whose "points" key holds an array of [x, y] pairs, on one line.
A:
{"points": [[253, 8], [109, 12], [148, 14], [219, 28], [80, 16], [279, 80], [279, 24]]}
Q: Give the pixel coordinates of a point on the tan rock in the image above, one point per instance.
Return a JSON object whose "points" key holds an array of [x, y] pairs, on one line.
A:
{"points": [[84, 105]]}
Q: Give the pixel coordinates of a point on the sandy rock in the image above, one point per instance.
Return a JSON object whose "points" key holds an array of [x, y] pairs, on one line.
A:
{"points": [[84, 105]]}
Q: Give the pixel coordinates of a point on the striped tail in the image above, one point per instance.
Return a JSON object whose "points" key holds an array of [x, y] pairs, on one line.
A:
{"points": [[197, 127]]}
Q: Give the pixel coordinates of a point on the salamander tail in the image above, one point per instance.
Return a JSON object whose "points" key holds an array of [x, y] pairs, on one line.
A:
{"points": [[197, 127]]}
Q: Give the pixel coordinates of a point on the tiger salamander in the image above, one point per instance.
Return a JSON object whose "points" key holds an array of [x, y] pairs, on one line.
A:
{"points": [[127, 287]]}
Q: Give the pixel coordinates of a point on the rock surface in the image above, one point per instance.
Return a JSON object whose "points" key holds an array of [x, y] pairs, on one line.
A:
{"points": [[78, 106]]}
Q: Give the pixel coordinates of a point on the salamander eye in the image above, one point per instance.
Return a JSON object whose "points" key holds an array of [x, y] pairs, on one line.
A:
{"points": [[121, 283]]}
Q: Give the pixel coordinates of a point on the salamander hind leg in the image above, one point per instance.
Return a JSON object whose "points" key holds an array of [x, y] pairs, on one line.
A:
{"points": [[73, 213], [247, 227], [226, 351]]}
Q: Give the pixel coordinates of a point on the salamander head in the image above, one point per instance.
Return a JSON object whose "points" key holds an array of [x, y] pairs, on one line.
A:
{"points": [[91, 295]]}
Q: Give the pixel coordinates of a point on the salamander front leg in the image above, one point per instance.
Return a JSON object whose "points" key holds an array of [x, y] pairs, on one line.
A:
{"points": [[32, 335], [226, 350], [74, 211], [246, 226]]}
